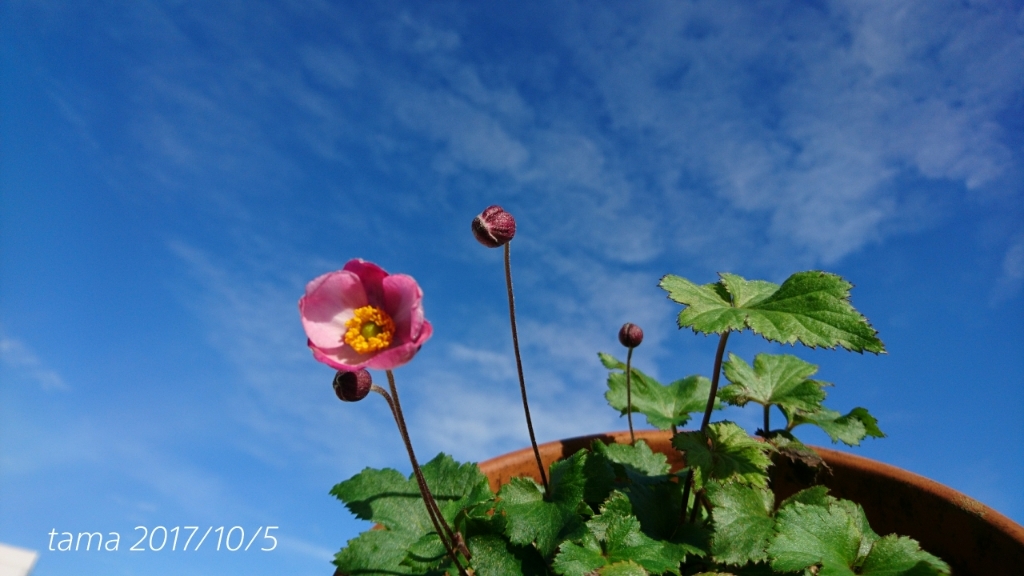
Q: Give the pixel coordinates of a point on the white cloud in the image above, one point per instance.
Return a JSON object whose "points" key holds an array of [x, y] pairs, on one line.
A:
{"points": [[19, 358]]}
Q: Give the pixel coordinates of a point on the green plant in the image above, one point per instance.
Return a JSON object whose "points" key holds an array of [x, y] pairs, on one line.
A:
{"points": [[616, 509]]}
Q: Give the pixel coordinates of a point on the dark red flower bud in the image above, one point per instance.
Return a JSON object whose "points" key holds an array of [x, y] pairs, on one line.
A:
{"points": [[352, 386], [631, 335], [494, 227]]}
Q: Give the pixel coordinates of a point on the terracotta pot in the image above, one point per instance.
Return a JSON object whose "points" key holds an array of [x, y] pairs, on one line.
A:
{"points": [[974, 539]]}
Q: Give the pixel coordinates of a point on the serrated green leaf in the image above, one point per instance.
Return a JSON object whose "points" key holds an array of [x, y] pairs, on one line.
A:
{"points": [[388, 498], [664, 406], [731, 456], [849, 429], [743, 523], [638, 457], [813, 496], [775, 379], [426, 553], [532, 518], [901, 556], [643, 475], [579, 558], [809, 307], [495, 556], [613, 537], [376, 552], [807, 536]]}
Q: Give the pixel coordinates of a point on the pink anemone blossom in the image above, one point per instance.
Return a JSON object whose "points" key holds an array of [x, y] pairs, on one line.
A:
{"points": [[362, 317]]}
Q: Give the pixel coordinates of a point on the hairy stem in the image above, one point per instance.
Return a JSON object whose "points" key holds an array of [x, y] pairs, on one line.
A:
{"points": [[444, 532], [629, 395], [519, 367]]}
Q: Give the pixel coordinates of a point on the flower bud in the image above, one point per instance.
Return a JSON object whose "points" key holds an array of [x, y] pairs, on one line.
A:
{"points": [[494, 227], [630, 335], [352, 386]]}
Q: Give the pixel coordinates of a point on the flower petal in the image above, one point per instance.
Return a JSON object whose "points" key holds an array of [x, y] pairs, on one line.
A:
{"points": [[372, 277], [328, 304], [403, 301], [398, 355], [340, 358]]}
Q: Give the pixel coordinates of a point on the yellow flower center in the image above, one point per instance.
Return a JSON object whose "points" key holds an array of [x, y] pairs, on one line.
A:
{"points": [[371, 329]]}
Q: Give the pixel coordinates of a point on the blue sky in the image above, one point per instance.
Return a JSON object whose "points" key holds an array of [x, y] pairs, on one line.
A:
{"points": [[172, 174]]}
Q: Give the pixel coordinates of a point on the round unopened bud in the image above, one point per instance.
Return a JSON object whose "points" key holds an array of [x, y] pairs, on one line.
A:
{"points": [[494, 227], [352, 386], [631, 335]]}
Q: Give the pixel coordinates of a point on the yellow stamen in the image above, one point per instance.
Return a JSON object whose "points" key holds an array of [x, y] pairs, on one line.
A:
{"points": [[371, 329]]}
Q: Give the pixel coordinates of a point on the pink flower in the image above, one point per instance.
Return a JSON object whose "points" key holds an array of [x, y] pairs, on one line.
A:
{"points": [[362, 317]]}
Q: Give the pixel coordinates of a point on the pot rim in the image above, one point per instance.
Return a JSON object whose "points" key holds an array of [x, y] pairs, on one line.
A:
{"points": [[558, 449]]}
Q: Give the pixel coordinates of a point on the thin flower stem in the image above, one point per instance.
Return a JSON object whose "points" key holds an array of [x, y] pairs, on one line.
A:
{"points": [[444, 532], [519, 367], [767, 410], [629, 396]]}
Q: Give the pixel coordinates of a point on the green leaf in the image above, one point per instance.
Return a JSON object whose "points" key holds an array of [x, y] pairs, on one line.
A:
{"points": [[408, 543], [613, 538], [664, 406], [388, 498], [849, 429], [743, 523], [814, 529], [376, 552], [644, 476], [495, 556], [638, 457], [827, 536], [901, 556], [810, 307], [813, 496], [426, 553], [731, 456], [580, 558], [775, 379], [532, 518]]}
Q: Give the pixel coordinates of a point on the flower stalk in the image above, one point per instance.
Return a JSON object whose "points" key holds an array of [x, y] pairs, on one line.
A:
{"points": [[519, 368], [451, 542], [630, 336]]}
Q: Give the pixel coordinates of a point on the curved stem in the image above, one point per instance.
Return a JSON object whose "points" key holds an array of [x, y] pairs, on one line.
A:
{"points": [[714, 382], [629, 396], [519, 367], [444, 532]]}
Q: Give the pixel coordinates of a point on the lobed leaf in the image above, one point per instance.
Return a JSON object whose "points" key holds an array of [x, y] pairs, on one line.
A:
{"points": [[614, 539], [825, 536], [775, 379], [533, 519], [664, 406], [901, 556], [809, 307], [726, 453], [849, 429], [743, 523]]}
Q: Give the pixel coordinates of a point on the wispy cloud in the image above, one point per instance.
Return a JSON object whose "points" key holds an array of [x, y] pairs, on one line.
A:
{"points": [[19, 358]]}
